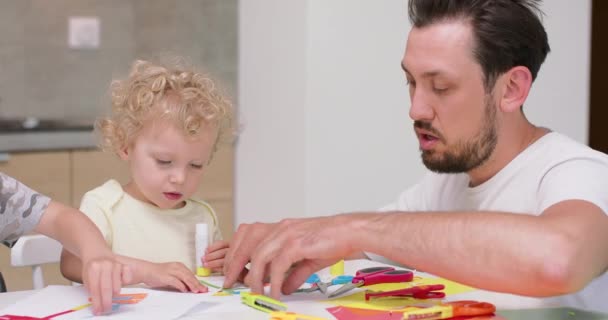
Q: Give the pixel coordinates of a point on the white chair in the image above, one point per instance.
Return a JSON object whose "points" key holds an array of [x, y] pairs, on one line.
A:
{"points": [[35, 250]]}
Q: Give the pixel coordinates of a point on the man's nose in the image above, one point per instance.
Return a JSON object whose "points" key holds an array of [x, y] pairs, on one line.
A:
{"points": [[420, 109]]}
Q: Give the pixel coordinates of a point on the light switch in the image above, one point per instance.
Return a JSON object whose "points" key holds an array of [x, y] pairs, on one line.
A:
{"points": [[83, 32]]}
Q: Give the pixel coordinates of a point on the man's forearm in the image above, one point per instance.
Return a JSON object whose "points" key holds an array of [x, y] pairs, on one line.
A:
{"points": [[490, 250]]}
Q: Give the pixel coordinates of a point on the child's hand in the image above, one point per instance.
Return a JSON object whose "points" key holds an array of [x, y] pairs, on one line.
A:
{"points": [[103, 277], [171, 274], [214, 255]]}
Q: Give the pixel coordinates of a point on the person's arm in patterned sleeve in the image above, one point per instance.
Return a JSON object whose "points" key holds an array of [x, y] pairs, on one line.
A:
{"points": [[23, 210]]}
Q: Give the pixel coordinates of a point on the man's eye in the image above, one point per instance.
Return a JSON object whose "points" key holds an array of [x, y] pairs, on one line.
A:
{"points": [[440, 90]]}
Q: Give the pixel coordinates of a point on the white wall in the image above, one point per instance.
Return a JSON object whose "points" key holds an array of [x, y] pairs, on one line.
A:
{"points": [[324, 106]]}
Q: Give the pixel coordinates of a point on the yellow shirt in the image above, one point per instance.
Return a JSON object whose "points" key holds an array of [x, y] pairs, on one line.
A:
{"points": [[140, 230]]}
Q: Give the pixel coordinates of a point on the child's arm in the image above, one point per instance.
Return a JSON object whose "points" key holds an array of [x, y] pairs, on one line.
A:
{"points": [[214, 255], [170, 274], [103, 274]]}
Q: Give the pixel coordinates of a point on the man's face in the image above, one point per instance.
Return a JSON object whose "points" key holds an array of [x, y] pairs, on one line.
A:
{"points": [[454, 117]]}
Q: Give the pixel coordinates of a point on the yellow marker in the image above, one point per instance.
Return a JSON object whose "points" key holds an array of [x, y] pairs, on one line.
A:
{"points": [[262, 303], [203, 272], [337, 269]]}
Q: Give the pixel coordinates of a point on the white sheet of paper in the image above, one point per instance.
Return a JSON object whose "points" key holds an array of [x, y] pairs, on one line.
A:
{"points": [[53, 299], [216, 282]]}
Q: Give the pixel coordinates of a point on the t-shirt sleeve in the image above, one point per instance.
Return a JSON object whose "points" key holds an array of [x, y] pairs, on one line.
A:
{"points": [[93, 208], [404, 200], [418, 196], [581, 179], [20, 209]]}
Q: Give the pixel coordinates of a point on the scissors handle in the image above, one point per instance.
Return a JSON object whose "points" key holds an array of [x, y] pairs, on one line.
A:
{"points": [[314, 278], [418, 292], [429, 295], [341, 280], [466, 308], [394, 276], [374, 275], [373, 270]]}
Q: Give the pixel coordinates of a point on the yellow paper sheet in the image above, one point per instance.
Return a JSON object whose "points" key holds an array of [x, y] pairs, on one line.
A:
{"points": [[357, 300]]}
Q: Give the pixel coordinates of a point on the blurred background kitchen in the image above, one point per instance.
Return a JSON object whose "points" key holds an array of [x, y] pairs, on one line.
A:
{"points": [[322, 100], [57, 59]]}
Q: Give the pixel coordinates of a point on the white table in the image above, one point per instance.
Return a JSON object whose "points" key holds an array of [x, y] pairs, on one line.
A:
{"points": [[8, 298], [298, 303]]}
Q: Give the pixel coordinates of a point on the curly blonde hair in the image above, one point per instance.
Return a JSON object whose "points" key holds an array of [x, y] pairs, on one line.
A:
{"points": [[187, 97]]}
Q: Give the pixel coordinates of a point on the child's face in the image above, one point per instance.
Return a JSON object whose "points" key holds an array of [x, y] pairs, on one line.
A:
{"points": [[167, 166]]}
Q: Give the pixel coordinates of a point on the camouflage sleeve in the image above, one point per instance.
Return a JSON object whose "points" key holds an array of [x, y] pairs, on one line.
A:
{"points": [[20, 209]]}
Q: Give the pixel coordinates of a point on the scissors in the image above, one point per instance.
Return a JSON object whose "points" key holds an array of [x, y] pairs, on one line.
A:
{"points": [[322, 286], [374, 275], [417, 292], [313, 280], [464, 308]]}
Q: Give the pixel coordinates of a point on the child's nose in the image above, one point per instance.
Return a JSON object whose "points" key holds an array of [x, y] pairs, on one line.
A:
{"points": [[177, 176]]}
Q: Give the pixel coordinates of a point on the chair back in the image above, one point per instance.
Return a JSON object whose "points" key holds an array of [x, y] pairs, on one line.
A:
{"points": [[34, 250]]}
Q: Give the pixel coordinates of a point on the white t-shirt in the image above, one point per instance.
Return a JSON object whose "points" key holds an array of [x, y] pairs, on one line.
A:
{"points": [[140, 230], [553, 169]]}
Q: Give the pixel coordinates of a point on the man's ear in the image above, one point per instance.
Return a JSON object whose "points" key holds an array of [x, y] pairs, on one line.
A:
{"points": [[517, 82]]}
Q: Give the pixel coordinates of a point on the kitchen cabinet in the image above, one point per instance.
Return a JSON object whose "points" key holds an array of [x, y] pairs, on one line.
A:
{"points": [[48, 173], [66, 175]]}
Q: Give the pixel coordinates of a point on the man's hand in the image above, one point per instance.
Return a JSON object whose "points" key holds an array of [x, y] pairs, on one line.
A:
{"points": [[244, 242], [170, 274], [103, 278], [214, 256], [274, 249]]}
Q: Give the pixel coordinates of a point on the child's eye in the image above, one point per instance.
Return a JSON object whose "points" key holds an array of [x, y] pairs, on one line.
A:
{"points": [[196, 166], [163, 162]]}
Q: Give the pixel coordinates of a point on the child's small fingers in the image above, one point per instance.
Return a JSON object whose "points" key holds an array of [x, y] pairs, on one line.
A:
{"points": [[217, 245], [218, 263], [218, 254]]}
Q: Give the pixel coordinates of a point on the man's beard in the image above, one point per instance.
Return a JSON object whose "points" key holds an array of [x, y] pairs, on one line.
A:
{"points": [[463, 156]]}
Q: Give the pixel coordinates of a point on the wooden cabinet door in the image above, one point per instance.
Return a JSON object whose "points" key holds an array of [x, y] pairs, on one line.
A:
{"points": [[45, 172], [92, 168], [217, 188], [49, 174]]}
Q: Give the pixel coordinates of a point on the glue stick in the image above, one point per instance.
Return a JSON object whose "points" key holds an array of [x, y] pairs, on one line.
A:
{"points": [[337, 269], [201, 241]]}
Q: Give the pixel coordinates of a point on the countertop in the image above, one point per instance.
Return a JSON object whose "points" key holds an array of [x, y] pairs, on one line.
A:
{"points": [[32, 134]]}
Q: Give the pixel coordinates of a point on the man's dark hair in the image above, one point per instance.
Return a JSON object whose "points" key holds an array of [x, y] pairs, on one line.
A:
{"points": [[506, 33]]}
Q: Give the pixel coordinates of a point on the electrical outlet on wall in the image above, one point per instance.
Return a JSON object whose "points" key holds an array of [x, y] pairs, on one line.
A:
{"points": [[83, 32]]}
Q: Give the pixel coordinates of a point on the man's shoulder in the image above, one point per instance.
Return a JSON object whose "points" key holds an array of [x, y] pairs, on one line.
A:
{"points": [[556, 148]]}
